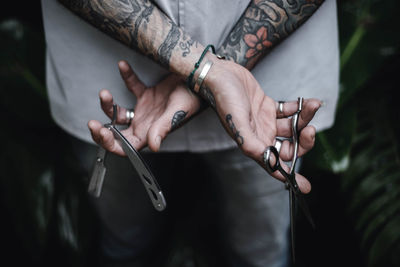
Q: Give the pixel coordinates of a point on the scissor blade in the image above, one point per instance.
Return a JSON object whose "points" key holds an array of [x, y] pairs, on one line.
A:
{"points": [[98, 174], [292, 204], [304, 207], [148, 179]]}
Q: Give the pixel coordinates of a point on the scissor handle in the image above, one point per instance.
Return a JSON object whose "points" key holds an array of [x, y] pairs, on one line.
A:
{"points": [[290, 177], [267, 159]]}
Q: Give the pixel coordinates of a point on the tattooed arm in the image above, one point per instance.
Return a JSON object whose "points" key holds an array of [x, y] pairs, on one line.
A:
{"points": [[247, 114], [140, 25], [263, 25]]}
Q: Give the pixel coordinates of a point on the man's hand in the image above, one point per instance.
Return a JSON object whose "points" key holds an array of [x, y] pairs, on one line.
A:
{"points": [[158, 111], [251, 118]]}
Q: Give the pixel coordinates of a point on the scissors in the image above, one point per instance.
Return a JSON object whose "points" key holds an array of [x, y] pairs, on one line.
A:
{"points": [[147, 178], [295, 195]]}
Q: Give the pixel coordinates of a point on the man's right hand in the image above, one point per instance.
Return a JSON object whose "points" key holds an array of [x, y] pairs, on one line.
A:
{"points": [[159, 110]]}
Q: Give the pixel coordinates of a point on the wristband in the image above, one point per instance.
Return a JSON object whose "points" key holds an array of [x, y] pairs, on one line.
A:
{"points": [[202, 76], [190, 83]]}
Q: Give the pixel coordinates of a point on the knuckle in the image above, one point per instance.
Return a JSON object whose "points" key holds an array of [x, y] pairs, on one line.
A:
{"points": [[246, 149], [251, 151]]}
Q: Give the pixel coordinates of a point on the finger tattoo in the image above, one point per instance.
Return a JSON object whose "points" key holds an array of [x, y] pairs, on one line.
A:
{"points": [[208, 96], [177, 119], [235, 132]]}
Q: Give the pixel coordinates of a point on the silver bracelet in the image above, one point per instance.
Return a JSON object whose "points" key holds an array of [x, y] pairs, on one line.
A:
{"points": [[202, 76]]}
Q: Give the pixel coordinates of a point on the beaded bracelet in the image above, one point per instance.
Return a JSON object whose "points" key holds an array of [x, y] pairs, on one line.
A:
{"points": [[190, 83]]}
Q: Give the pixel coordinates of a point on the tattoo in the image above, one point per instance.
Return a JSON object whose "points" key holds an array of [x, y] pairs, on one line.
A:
{"points": [[263, 25], [208, 96], [143, 16], [177, 119], [169, 44], [186, 44], [138, 24], [236, 134]]}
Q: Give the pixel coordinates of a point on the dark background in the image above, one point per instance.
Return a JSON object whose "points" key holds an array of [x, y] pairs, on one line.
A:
{"points": [[46, 219]]}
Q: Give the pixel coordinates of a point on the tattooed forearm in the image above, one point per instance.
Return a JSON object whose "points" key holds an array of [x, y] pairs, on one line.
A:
{"points": [[263, 25], [236, 134], [169, 44], [177, 119], [140, 25], [208, 96]]}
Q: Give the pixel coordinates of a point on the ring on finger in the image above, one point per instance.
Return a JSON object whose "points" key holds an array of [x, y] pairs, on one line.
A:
{"points": [[278, 144], [129, 115], [280, 106]]}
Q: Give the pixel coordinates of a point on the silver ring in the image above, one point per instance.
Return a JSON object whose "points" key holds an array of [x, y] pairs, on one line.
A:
{"points": [[278, 144], [129, 115], [280, 106]]}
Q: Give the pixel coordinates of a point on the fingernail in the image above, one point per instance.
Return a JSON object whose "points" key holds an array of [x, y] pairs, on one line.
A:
{"points": [[158, 140]]}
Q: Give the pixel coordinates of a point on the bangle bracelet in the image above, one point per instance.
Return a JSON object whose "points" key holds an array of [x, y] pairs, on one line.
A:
{"points": [[197, 65], [202, 76]]}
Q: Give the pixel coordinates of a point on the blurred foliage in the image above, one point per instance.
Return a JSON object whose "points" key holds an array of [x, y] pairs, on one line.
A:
{"points": [[41, 191], [47, 216], [362, 148], [368, 38]]}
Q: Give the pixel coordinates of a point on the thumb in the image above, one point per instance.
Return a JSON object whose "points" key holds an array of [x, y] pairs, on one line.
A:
{"points": [[168, 122], [180, 108]]}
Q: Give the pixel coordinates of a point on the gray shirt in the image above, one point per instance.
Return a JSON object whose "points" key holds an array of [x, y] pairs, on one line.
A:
{"points": [[81, 60]]}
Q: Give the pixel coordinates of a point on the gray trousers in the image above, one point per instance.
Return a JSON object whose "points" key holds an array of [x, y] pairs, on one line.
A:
{"points": [[250, 208]]}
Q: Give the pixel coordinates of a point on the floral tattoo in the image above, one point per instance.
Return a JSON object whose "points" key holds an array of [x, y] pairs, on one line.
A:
{"points": [[264, 24]]}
